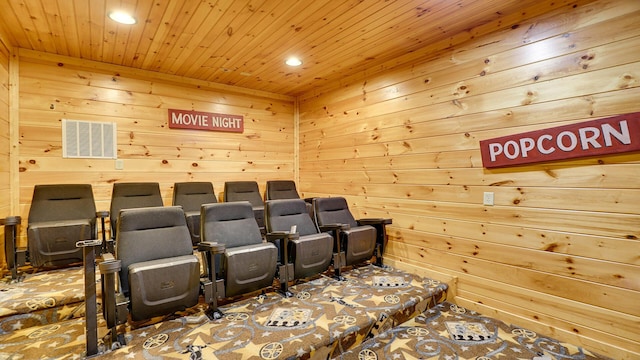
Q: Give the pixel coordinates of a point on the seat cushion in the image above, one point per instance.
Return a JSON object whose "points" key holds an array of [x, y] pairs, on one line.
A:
{"points": [[53, 243], [359, 244], [249, 268], [163, 286], [312, 254]]}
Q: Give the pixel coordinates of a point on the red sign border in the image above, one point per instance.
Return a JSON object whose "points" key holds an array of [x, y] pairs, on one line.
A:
{"points": [[633, 123], [239, 129]]}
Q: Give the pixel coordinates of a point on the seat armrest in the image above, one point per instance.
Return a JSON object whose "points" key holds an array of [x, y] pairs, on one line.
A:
{"points": [[102, 214], [334, 227], [213, 247], [10, 220], [109, 265], [90, 242], [277, 235], [375, 221]]}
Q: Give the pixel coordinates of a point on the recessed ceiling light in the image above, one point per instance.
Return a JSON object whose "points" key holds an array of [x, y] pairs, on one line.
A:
{"points": [[122, 17], [293, 61]]}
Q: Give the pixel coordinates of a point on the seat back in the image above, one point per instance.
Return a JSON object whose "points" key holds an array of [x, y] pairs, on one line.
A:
{"points": [[311, 253], [231, 224], [248, 264], [281, 189], [190, 196], [280, 215], [358, 242], [132, 195], [243, 191], [59, 216], [333, 210], [246, 191], [159, 272]]}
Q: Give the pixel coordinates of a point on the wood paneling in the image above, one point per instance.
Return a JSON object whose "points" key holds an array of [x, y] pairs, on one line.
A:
{"points": [[53, 88], [558, 252], [245, 43], [5, 142]]}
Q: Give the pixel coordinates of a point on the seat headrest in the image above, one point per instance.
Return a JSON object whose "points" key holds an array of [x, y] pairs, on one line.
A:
{"points": [[286, 207], [332, 204], [151, 218], [237, 210]]}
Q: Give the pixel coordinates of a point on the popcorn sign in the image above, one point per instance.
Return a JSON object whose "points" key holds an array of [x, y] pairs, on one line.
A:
{"points": [[612, 135]]}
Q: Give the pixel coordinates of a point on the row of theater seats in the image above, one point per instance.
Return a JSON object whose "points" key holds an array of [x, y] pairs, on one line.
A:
{"points": [[151, 269], [73, 205]]}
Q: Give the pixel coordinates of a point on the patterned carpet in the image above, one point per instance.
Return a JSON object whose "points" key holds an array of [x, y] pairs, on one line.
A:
{"points": [[376, 314], [41, 298], [448, 332], [324, 319]]}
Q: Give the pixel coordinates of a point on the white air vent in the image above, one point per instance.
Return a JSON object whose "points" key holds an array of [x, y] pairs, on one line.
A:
{"points": [[88, 139]]}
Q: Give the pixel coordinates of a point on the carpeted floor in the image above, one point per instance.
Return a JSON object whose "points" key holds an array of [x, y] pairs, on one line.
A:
{"points": [[375, 314], [41, 298], [448, 332], [325, 318]]}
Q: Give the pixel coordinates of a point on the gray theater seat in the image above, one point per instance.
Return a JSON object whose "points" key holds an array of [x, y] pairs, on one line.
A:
{"points": [[191, 196], [155, 265], [246, 191], [248, 264], [355, 241], [306, 251], [285, 189], [132, 195], [281, 189], [60, 215]]}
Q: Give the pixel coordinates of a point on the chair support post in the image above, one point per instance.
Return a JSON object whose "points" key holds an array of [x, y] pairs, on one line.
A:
{"points": [[108, 270], [10, 234], [105, 245], [90, 301], [209, 251]]}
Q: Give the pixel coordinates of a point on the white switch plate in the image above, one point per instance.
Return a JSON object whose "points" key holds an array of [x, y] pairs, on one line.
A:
{"points": [[488, 198], [119, 164]]}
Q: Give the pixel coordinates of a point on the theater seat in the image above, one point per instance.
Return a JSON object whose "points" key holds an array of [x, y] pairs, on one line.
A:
{"points": [[305, 251], [132, 195], [355, 241], [155, 265], [284, 189], [246, 191], [190, 196], [60, 215], [281, 189], [248, 264]]}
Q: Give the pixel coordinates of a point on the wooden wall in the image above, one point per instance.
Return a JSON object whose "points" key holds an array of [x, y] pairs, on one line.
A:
{"points": [[559, 252], [53, 88], [5, 173]]}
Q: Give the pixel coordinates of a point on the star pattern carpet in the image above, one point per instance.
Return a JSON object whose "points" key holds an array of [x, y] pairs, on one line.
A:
{"points": [[325, 318], [448, 332], [41, 298]]}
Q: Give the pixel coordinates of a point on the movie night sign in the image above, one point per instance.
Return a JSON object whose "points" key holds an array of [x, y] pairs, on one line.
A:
{"points": [[199, 120], [612, 135]]}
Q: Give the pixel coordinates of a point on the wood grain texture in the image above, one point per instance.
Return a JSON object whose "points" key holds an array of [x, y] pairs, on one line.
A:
{"points": [[5, 144], [53, 88], [558, 252], [245, 43]]}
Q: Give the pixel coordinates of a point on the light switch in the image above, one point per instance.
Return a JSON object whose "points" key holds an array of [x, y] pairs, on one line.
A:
{"points": [[119, 164], [488, 198]]}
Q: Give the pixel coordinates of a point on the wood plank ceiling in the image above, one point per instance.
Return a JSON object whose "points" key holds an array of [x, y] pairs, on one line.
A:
{"points": [[245, 42]]}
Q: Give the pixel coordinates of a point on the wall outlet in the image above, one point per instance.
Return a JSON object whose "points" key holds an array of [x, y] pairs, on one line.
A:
{"points": [[488, 198], [119, 164]]}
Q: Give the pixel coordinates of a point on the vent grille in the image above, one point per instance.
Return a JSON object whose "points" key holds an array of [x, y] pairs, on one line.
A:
{"points": [[88, 139]]}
